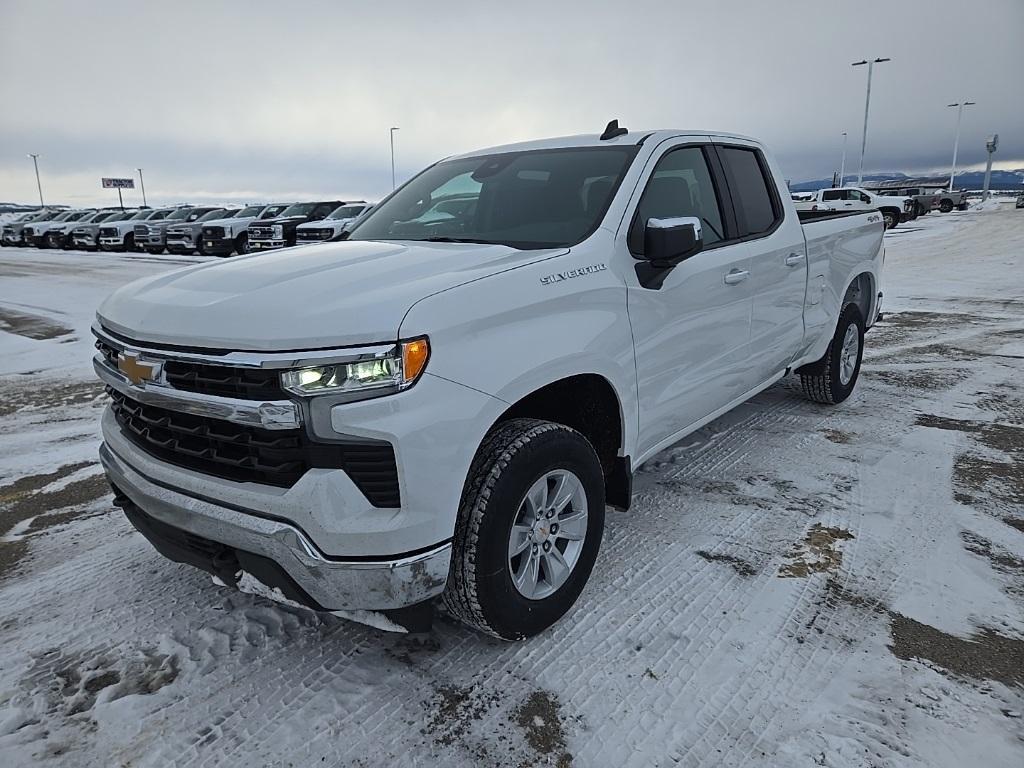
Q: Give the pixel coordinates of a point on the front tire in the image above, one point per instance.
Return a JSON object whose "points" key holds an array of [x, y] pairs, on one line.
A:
{"points": [[529, 529], [891, 219], [242, 244], [946, 206], [832, 379]]}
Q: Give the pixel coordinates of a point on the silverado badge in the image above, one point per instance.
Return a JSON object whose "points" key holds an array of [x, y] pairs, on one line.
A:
{"points": [[579, 272], [135, 370]]}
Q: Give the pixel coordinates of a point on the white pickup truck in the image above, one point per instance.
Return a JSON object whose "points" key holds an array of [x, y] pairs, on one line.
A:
{"points": [[443, 407], [894, 208]]}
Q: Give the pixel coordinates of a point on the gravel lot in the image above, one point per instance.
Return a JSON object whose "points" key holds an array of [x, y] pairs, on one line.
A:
{"points": [[795, 585]]}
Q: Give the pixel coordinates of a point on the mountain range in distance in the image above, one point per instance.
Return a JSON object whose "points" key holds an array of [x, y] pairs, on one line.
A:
{"points": [[1001, 180]]}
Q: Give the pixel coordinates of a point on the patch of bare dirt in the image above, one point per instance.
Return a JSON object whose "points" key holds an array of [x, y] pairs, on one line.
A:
{"points": [[540, 718], [48, 394], [1001, 560], [738, 564], [928, 379], [26, 498], [837, 436], [817, 553], [987, 655], [31, 326]]}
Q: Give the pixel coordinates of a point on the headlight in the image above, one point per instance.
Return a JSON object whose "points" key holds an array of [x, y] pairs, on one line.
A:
{"points": [[394, 371], [326, 234], [277, 231]]}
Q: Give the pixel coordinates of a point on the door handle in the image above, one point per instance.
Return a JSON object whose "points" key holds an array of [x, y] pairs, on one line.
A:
{"points": [[735, 276], [793, 259]]}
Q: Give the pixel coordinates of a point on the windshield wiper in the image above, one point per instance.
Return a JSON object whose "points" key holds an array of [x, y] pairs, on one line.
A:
{"points": [[444, 239]]}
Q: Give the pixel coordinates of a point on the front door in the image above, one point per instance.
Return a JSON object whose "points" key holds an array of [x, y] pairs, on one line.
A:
{"points": [[691, 330]]}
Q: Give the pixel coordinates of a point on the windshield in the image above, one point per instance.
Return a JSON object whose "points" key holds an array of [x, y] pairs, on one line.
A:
{"points": [[104, 216], [211, 215], [346, 212], [140, 215], [299, 209], [181, 213], [251, 212], [80, 215], [532, 199], [66, 216], [273, 211]]}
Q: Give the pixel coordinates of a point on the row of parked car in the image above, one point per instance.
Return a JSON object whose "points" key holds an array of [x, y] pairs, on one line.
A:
{"points": [[896, 206], [184, 229]]}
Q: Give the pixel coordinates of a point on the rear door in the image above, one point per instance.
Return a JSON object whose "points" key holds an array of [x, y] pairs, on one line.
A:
{"points": [[777, 258], [691, 328]]}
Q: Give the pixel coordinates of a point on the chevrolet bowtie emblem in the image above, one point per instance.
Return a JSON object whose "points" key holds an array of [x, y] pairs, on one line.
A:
{"points": [[137, 371]]}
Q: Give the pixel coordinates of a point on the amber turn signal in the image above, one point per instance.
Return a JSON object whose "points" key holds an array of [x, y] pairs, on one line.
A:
{"points": [[414, 359]]}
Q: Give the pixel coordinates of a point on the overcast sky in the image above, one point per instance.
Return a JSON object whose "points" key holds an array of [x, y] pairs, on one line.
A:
{"points": [[281, 100]]}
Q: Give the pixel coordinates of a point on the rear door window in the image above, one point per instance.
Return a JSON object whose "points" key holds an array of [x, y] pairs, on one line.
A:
{"points": [[752, 190]]}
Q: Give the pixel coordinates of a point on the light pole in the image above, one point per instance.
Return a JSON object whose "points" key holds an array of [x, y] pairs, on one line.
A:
{"points": [[867, 104], [393, 158], [956, 142], [842, 166], [35, 162], [143, 185]]}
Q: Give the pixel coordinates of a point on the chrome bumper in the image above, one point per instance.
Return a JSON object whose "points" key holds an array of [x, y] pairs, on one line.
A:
{"points": [[265, 245], [336, 584]]}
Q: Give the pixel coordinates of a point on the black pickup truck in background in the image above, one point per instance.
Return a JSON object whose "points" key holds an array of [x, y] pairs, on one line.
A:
{"points": [[266, 235]]}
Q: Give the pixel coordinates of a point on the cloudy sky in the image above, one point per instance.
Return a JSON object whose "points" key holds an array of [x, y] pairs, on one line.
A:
{"points": [[255, 100]]}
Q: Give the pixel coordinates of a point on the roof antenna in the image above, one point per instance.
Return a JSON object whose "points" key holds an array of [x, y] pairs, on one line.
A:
{"points": [[612, 131]]}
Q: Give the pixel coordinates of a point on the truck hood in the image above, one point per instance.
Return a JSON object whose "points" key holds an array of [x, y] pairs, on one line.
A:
{"points": [[244, 221], [311, 297], [290, 221]]}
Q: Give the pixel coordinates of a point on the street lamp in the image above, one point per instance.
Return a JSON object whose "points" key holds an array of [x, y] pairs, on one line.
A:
{"points": [[842, 166], [867, 103], [393, 158], [143, 185], [956, 142], [35, 162]]}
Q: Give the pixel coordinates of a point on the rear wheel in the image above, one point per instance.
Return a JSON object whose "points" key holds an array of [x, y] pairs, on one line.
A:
{"points": [[946, 206], [529, 529], [831, 379]]}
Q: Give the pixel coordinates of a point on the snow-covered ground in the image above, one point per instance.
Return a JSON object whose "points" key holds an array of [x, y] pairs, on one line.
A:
{"points": [[794, 586]]}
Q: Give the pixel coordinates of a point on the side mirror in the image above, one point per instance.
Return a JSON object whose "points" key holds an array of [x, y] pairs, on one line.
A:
{"points": [[668, 242]]}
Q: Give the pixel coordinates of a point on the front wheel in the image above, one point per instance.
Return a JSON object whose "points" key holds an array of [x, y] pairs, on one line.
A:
{"points": [[529, 529], [890, 219], [832, 379], [242, 244], [946, 206]]}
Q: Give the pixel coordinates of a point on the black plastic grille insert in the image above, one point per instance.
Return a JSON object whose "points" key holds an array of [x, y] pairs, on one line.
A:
{"points": [[251, 454]]}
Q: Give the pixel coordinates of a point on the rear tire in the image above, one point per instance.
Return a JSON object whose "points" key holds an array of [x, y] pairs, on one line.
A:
{"points": [[946, 206], [522, 472], [832, 379]]}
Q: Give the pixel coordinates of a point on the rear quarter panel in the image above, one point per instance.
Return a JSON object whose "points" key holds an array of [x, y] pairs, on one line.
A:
{"points": [[838, 250]]}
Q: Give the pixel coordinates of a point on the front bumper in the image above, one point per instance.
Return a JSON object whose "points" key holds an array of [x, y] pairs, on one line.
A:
{"points": [[331, 584], [221, 246], [84, 241], [266, 245]]}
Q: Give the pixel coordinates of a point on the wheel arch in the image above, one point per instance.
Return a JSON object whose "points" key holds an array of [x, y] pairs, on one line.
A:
{"points": [[588, 403], [861, 291]]}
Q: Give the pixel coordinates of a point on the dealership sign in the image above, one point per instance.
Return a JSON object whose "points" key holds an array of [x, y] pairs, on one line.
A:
{"points": [[119, 183]]}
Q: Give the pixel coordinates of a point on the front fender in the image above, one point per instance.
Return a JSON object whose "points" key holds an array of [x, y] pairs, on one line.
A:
{"points": [[510, 334]]}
